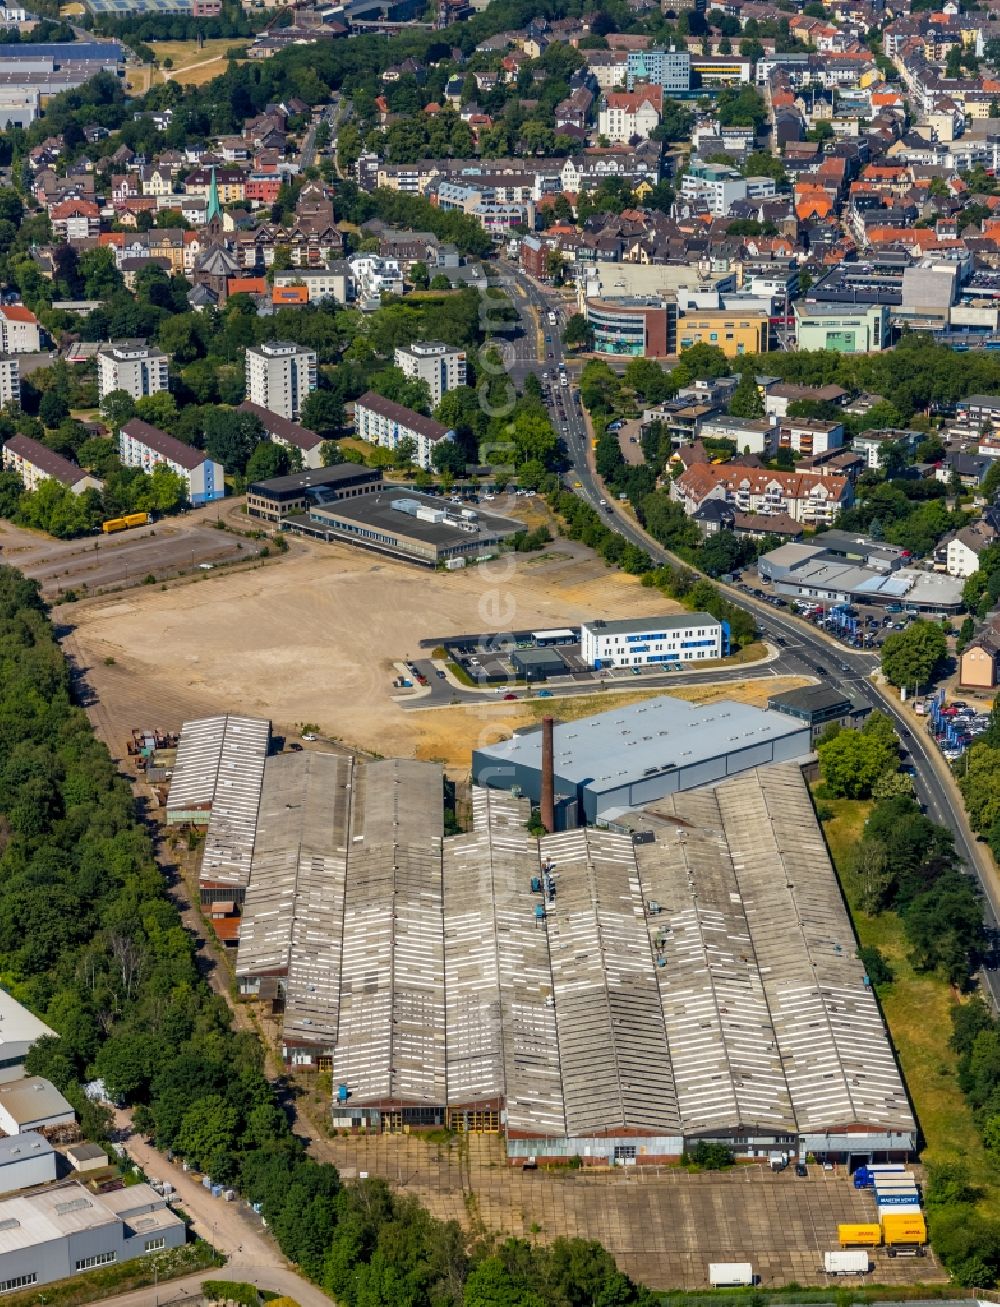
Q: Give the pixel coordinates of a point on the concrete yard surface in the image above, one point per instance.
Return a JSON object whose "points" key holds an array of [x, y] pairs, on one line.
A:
{"points": [[662, 1224]]}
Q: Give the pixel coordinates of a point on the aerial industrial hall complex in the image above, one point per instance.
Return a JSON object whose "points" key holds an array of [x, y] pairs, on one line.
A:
{"points": [[683, 969]]}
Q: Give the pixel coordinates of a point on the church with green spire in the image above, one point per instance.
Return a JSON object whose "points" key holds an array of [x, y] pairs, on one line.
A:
{"points": [[213, 215]]}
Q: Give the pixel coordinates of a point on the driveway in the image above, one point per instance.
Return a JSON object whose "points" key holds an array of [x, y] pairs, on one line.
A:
{"points": [[229, 1227]]}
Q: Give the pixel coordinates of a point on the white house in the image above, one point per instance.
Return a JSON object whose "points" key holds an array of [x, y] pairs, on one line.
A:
{"points": [[964, 548], [646, 641]]}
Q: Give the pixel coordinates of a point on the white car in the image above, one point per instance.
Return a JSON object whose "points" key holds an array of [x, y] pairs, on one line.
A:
{"points": [[308, 735]]}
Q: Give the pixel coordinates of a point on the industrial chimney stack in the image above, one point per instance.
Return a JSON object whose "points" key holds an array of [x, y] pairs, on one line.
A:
{"points": [[548, 776]]}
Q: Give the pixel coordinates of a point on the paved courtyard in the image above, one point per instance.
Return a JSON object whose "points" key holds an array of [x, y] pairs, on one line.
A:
{"points": [[662, 1224]]}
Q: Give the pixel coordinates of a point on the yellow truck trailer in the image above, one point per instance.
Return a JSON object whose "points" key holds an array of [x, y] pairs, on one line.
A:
{"points": [[114, 524], [906, 1229], [859, 1236], [136, 519]]}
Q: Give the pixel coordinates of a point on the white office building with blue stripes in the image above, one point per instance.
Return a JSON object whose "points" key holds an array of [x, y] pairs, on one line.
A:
{"points": [[641, 641]]}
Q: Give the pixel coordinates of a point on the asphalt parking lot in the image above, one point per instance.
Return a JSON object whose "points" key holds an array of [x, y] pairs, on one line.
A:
{"points": [[94, 564]]}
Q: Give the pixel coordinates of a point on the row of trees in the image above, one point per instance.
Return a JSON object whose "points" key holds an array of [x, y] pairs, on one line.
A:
{"points": [[92, 943], [905, 862], [979, 782]]}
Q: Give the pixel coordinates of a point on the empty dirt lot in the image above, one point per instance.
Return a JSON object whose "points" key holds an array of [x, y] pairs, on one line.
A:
{"points": [[313, 637], [663, 1225]]}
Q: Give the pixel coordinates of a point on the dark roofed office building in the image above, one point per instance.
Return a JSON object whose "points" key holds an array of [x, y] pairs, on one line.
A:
{"points": [[820, 706], [276, 498]]}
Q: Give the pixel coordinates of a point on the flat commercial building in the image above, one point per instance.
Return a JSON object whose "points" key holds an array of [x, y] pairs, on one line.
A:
{"points": [[19, 1030], [441, 366], [670, 69], [819, 705], [140, 444], [383, 422], [31, 1104], [615, 761], [279, 497], [280, 376], [133, 366], [734, 333], [810, 571], [25, 1161], [59, 1231], [403, 524], [637, 325], [845, 328], [639, 642]]}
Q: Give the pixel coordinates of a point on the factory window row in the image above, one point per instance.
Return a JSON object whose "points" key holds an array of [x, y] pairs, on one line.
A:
{"points": [[154, 1245], [98, 1259], [18, 1282]]}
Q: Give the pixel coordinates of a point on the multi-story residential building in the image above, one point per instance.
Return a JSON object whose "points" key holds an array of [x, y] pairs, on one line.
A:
{"points": [[805, 496], [333, 283], [381, 422], [35, 463], [717, 187], [375, 276], [142, 445], [133, 366], [75, 220], [963, 549], [638, 642], [609, 68], [625, 115], [10, 382], [441, 366], [19, 330], [279, 377], [809, 435], [289, 434], [670, 69]]}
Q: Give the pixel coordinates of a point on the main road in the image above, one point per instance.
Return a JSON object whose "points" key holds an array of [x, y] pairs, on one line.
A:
{"points": [[805, 650]]}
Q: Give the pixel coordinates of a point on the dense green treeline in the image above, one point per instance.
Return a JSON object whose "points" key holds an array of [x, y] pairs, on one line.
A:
{"points": [[92, 943]]}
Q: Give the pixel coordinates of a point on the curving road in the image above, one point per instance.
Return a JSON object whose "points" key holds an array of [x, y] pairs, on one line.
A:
{"points": [[806, 651]]}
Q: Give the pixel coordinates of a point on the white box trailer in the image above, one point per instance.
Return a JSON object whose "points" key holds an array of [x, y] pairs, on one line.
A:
{"points": [[730, 1275], [849, 1261]]}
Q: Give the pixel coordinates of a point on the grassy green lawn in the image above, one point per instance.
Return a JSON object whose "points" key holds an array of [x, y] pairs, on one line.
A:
{"points": [[918, 1010]]}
